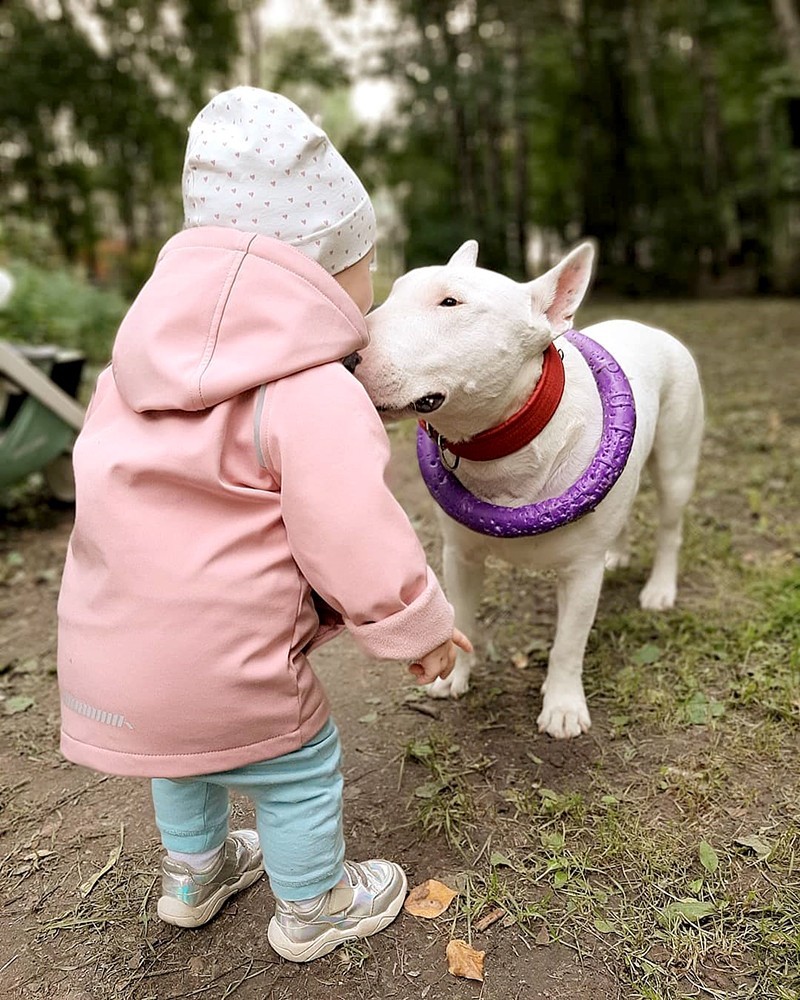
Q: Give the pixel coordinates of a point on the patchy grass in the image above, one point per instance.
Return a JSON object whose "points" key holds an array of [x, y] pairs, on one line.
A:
{"points": [[683, 880], [613, 878], [691, 667], [444, 801]]}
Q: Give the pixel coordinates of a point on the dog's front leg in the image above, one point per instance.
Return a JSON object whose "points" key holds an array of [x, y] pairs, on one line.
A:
{"points": [[463, 583], [564, 712]]}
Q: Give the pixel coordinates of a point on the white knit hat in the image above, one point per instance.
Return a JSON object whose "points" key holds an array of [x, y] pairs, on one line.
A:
{"points": [[256, 162]]}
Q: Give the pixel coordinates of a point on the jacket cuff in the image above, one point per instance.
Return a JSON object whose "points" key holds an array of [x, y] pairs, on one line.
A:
{"points": [[411, 633]]}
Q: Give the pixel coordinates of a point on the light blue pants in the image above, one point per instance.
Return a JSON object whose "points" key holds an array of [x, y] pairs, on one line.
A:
{"points": [[298, 802]]}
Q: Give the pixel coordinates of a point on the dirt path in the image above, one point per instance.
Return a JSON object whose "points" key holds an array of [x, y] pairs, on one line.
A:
{"points": [[61, 824], [468, 793]]}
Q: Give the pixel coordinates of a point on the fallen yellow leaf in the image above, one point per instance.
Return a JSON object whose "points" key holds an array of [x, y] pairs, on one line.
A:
{"points": [[429, 899], [464, 961]]}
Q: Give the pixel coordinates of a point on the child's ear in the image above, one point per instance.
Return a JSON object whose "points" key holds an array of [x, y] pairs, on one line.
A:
{"points": [[465, 256], [558, 293]]}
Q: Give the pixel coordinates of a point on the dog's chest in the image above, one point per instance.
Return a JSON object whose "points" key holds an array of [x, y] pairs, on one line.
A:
{"points": [[555, 458], [551, 551]]}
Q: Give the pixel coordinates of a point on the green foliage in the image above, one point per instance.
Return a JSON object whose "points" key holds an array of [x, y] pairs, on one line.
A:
{"points": [[652, 127], [26, 239], [94, 107], [659, 128], [302, 66], [59, 307]]}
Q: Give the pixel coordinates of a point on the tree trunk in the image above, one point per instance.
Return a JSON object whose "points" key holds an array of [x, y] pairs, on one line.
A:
{"points": [[253, 46], [785, 253], [493, 204], [466, 168], [640, 31], [520, 178], [607, 186], [713, 165], [788, 18]]}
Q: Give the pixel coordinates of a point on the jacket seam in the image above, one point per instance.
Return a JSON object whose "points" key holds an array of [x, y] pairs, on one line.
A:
{"points": [[216, 321], [274, 263]]}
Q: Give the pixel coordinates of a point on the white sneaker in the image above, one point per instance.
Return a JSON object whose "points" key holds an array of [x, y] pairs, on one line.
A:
{"points": [[310, 929]]}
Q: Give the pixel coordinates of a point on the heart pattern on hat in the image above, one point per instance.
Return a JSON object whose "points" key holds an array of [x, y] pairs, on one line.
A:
{"points": [[226, 178]]}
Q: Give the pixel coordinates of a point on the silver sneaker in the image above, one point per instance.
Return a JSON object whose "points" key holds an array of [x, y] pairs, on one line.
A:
{"points": [[191, 898], [308, 930]]}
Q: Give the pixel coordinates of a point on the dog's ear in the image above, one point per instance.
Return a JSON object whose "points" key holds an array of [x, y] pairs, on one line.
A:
{"points": [[558, 293], [465, 256]]}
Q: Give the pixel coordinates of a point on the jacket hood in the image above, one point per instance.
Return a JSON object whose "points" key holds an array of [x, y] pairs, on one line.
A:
{"points": [[225, 311]]}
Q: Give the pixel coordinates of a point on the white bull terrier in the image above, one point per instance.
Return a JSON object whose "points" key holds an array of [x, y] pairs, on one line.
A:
{"points": [[536, 451]]}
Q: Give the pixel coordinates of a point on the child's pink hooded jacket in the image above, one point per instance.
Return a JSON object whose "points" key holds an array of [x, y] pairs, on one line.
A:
{"points": [[228, 465]]}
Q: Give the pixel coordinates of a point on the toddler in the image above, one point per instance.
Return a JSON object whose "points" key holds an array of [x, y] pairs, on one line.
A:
{"points": [[232, 515]]}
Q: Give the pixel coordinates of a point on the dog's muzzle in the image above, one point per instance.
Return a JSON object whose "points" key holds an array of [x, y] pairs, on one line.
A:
{"points": [[428, 404]]}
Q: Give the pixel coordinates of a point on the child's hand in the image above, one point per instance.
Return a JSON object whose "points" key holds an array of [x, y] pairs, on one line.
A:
{"points": [[440, 661]]}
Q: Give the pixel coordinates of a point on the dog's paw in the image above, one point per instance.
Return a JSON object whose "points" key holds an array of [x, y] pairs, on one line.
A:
{"points": [[449, 687], [657, 596], [617, 559], [565, 718]]}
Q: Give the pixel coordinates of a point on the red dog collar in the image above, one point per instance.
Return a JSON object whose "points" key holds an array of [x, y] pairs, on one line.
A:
{"points": [[522, 426]]}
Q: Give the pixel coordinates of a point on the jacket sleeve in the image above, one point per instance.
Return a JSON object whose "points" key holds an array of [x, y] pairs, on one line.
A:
{"points": [[349, 536]]}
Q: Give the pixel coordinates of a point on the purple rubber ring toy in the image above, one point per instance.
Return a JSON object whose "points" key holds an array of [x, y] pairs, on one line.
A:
{"points": [[616, 441]]}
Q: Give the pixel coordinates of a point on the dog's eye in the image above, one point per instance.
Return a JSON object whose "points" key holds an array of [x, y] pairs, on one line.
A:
{"points": [[449, 301]]}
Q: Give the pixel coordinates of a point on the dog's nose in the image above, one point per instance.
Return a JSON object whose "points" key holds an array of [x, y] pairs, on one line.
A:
{"points": [[352, 361]]}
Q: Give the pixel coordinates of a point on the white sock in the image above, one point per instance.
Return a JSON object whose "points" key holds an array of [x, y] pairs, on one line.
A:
{"points": [[197, 861], [306, 905]]}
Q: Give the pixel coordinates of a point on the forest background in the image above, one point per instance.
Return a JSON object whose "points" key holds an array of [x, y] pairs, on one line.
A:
{"points": [[668, 130]]}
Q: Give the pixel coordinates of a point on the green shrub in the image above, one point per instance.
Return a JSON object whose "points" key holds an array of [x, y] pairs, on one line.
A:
{"points": [[59, 307]]}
